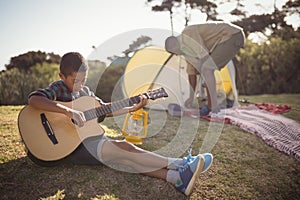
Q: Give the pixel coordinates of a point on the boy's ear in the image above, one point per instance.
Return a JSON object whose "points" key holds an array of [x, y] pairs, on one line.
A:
{"points": [[62, 76]]}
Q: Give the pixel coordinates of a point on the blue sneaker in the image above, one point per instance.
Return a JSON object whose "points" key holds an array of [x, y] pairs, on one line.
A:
{"points": [[188, 174], [204, 111], [189, 157], [208, 159]]}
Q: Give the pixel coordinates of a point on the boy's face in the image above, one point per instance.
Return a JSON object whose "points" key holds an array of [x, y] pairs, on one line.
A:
{"points": [[75, 81]]}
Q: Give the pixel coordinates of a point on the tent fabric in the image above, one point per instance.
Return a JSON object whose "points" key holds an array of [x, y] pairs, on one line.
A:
{"points": [[153, 67]]}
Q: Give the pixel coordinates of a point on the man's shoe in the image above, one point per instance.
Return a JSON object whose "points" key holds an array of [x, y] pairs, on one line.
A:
{"points": [[208, 159], [204, 111], [188, 174]]}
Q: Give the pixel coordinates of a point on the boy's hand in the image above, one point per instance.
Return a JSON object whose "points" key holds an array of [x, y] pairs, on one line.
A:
{"points": [[77, 116], [142, 103]]}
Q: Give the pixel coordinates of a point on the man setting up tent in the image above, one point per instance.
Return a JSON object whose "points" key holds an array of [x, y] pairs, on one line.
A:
{"points": [[206, 47]]}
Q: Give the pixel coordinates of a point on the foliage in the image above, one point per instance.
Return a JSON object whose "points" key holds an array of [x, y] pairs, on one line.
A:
{"points": [[250, 23], [138, 43], [272, 67], [96, 69], [109, 83], [205, 6], [32, 58], [292, 7], [15, 84], [274, 21]]}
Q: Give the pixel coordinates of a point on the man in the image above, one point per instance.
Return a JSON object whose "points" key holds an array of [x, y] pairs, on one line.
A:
{"points": [[206, 47]]}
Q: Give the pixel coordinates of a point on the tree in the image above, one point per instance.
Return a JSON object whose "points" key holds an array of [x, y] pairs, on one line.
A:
{"points": [[109, 83], [205, 6], [292, 7], [140, 41], [272, 67], [276, 21], [16, 85], [26, 73], [27, 60], [135, 45], [165, 5]]}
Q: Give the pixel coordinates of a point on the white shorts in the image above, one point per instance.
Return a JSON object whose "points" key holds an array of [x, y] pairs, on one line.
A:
{"points": [[99, 147]]}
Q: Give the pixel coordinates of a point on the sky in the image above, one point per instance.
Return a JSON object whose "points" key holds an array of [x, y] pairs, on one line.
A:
{"points": [[60, 26]]}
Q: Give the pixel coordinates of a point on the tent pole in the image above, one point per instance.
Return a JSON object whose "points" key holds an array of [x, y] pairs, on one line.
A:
{"points": [[152, 84]]}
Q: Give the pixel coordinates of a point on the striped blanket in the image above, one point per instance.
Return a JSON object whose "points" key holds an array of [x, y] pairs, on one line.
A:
{"points": [[276, 130]]}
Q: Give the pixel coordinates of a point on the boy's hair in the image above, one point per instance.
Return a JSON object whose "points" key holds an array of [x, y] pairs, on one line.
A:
{"points": [[72, 62]]}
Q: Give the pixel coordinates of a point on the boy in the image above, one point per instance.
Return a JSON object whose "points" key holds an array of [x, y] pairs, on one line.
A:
{"points": [[100, 149], [206, 47]]}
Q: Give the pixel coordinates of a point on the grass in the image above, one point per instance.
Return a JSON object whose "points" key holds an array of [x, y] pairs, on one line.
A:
{"points": [[244, 166]]}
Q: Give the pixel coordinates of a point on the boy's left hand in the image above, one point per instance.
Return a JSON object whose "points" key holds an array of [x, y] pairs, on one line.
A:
{"points": [[143, 100], [142, 103]]}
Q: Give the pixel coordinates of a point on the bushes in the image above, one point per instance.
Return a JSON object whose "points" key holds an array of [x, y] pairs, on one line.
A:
{"points": [[272, 67], [16, 85]]}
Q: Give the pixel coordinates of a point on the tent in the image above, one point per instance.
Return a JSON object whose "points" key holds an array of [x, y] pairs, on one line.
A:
{"points": [[153, 67]]}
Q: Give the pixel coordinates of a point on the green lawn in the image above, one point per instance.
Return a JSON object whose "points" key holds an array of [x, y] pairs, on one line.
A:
{"points": [[244, 166]]}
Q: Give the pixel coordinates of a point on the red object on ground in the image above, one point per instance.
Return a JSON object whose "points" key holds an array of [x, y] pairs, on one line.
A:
{"points": [[195, 114], [273, 108], [209, 118]]}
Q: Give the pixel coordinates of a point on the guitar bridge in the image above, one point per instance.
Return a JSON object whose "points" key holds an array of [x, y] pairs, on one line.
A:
{"points": [[48, 129]]}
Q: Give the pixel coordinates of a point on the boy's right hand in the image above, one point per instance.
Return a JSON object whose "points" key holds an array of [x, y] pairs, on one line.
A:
{"points": [[77, 116]]}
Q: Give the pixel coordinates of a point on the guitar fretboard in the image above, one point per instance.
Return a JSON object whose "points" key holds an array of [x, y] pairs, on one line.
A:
{"points": [[108, 108]]}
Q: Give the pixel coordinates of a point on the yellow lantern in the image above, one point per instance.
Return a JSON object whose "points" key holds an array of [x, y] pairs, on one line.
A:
{"points": [[135, 126]]}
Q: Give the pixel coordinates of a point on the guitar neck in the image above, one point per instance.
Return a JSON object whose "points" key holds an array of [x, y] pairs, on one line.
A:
{"points": [[108, 108]]}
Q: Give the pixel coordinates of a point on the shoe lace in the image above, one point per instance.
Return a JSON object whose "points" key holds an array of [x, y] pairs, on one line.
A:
{"points": [[189, 157], [181, 169]]}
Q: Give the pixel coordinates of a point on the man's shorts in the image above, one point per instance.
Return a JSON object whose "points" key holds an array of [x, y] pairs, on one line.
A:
{"points": [[225, 51], [190, 70], [222, 53]]}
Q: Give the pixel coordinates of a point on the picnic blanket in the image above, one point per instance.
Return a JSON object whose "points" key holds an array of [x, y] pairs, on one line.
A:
{"points": [[273, 108], [276, 130]]}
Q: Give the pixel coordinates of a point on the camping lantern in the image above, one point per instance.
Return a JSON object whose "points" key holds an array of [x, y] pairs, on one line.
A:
{"points": [[135, 126]]}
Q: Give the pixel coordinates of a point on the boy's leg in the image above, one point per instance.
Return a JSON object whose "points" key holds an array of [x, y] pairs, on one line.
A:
{"points": [[151, 164], [148, 171], [114, 151]]}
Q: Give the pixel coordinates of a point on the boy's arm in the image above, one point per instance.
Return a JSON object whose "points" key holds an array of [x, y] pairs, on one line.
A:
{"points": [[43, 103]]}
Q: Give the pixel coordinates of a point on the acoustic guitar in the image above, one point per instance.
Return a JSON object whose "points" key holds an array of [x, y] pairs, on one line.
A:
{"points": [[51, 136]]}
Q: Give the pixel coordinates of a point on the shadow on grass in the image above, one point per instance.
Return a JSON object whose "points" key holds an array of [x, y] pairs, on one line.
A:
{"points": [[22, 179]]}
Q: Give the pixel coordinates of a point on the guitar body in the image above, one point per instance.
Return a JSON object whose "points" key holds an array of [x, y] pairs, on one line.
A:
{"points": [[66, 136]]}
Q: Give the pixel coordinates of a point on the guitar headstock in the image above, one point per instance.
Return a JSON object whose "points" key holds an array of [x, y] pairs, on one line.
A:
{"points": [[156, 93]]}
